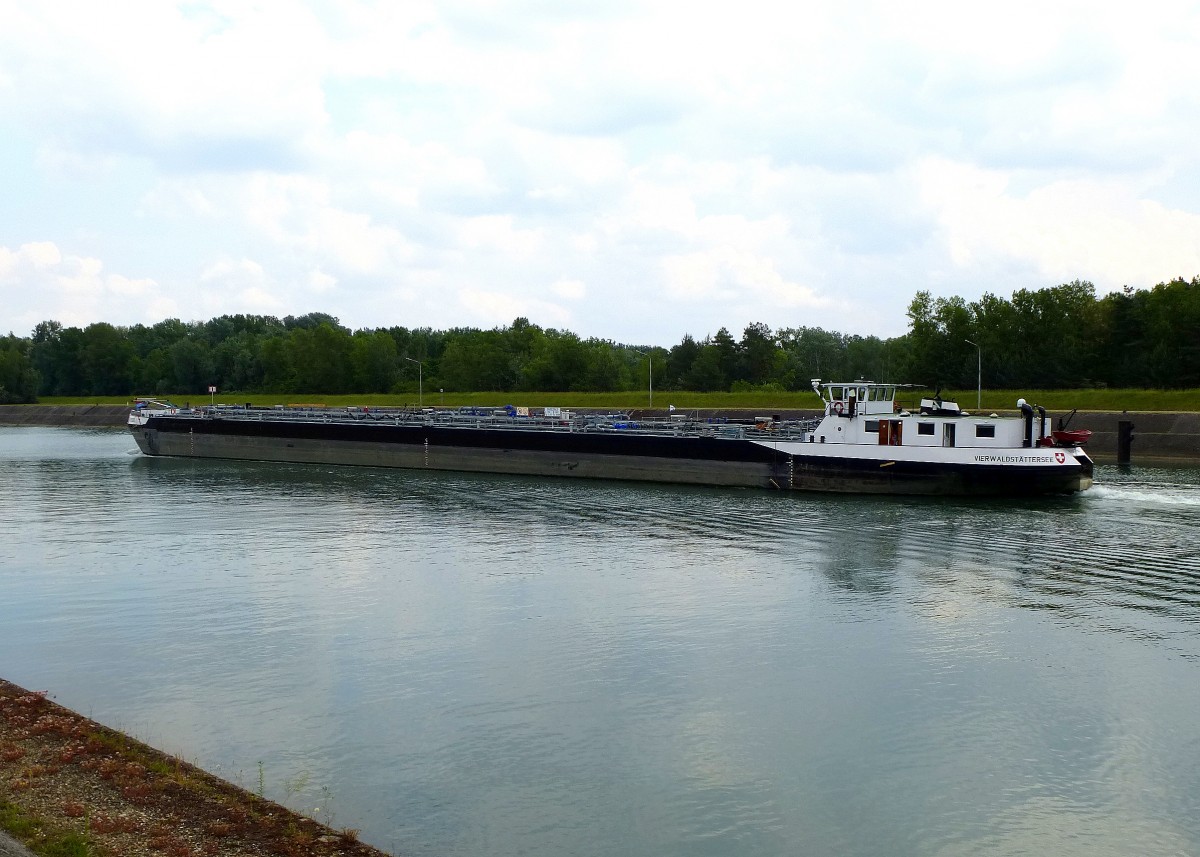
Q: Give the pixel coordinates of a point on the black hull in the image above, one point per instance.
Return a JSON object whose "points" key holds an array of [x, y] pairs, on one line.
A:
{"points": [[848, 475], [612, 454]]}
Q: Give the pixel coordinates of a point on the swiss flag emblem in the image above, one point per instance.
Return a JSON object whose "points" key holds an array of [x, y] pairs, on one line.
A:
{"points": [[1060, 457]]}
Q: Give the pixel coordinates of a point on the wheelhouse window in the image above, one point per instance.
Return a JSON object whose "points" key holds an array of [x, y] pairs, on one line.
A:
{"points": [[924, 428], [985, 431]]}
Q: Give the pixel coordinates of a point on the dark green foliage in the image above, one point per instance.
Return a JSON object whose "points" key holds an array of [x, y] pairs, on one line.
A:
{"points": [[107, 360], [679, 363], [67, 845], [1059, 337], [477, 360], [705, 373], [374, 362], [1051, 338], [18, 379]]}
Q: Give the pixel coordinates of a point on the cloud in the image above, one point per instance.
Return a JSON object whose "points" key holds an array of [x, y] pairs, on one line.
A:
{"points": [[494, 309], [497, 234], [241, 283], [38, 282], [571, 290], [1096, 229], [725, 274], [319, 282], [695, 165], [148, 79]]}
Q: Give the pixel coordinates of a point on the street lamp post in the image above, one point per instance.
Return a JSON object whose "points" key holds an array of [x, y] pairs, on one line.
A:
{"points": [[979, 375], [649, 357], [420, 381]]}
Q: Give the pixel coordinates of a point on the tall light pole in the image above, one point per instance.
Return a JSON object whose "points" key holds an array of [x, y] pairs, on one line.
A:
{"points": [[649, 357], [979, 376], [420, 381]]}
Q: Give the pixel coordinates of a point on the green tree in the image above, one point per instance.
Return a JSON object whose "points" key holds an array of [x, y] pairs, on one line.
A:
{"points": [[235, 362], [729, 358], [706, 374], [311, 321], [108, 361], [938, 352], [558, 359], [56, 356], [320, 357], [604, 371], [679, 363], [1057, 331], [1171, 319], [812, 352], [156, 373], [279, 373], [191, 366], [375, 361], [477, 360], [868, 357], [764, 360], [19, 379]]}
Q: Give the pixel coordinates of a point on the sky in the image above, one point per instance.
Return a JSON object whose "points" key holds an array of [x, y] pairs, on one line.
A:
{"points": [[634, 171]]}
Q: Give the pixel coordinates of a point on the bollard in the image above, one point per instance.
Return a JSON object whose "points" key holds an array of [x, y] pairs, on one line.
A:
{"points": [[1124, 440]]}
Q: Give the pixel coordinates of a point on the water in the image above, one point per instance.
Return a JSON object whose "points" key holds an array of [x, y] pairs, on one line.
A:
{"points": [[470, 665]]}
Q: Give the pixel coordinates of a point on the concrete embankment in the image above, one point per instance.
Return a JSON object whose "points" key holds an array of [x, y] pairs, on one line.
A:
{"points": [[1158, 435], [64, 415], [10, 847]]}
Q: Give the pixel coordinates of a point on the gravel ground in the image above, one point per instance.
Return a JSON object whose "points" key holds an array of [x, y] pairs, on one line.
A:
{"points": [[71, 776]]}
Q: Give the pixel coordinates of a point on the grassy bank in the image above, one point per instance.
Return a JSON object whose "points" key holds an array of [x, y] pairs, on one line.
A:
{"points": [[70, 787], [993, 400]]}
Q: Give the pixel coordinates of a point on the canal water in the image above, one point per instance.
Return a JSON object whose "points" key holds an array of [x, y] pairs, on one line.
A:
{"points": [[470, 665]]}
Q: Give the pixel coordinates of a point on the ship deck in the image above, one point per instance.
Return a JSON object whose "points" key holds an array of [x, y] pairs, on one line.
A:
{"points": [[683, 425]]}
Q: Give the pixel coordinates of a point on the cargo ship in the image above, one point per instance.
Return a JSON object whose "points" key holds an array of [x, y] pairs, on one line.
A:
{"points": [[862, 442]]}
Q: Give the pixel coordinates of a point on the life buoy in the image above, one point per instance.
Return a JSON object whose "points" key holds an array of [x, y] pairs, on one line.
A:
{"points": [[837, 408]]}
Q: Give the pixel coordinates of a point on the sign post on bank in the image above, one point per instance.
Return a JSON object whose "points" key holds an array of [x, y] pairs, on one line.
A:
{"points": [[212, 393]]}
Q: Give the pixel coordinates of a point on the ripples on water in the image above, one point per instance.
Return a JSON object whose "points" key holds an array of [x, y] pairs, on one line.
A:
{"points": [[470, 665]]}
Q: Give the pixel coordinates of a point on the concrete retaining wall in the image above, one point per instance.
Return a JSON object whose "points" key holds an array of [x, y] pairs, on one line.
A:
{"points": [[64, 415], [1157, 435]]}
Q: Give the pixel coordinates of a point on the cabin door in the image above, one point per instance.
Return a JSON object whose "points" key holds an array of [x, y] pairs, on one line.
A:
{"points": [[948, 435]]}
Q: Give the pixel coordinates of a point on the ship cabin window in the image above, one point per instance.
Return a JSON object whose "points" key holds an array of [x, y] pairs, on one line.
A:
{"points": [[985, 431], [925, 428], [872, 426]]}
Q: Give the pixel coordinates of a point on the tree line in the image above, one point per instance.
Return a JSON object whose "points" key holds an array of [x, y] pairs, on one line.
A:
{"points": [[1052, 338]]}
